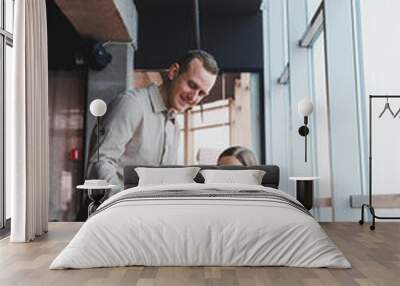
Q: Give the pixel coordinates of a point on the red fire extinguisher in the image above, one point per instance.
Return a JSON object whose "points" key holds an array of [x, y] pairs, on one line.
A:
{"points": [[74, 154]]}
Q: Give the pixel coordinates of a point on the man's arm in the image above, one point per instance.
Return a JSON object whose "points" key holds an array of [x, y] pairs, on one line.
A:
{"points": [[123, 116]]}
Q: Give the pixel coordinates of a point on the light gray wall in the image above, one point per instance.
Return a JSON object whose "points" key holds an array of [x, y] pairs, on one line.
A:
{"points": [[118, 75], [300, 88], [284, 24], [343, 139], [344, 102], [107, 83], [380, 44], [276, 95], [129, 15]]}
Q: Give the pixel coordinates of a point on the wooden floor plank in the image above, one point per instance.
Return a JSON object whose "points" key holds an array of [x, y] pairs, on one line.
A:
{"points": [[374, 255]]}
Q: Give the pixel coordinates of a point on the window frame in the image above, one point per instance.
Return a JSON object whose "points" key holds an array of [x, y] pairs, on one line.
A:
{"points": [[188, 131], [6, 39]]}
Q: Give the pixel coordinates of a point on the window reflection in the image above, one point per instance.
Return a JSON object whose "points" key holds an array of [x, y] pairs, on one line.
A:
{"points": [[9, 15]]}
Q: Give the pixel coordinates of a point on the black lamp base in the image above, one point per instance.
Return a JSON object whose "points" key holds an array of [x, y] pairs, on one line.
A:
{"points": [[303, 130]]}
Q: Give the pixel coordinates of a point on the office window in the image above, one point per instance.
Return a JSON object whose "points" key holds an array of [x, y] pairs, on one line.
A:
{"points": [[228, 119], [206, 135], [9, 15], [6, 60]]}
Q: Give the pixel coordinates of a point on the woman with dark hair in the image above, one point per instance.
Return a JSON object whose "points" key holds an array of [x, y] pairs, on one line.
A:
{"points": [[237, 155]]}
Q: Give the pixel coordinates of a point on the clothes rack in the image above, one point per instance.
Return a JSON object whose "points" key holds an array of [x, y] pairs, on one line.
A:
{"points": [[369, 205]]}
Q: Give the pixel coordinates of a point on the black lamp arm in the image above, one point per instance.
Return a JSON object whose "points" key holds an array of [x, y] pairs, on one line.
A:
{"points": [[303, 131], [98, 138]]}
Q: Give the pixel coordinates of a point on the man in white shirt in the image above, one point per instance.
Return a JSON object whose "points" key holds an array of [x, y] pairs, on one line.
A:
{"points": [[139, 126]]}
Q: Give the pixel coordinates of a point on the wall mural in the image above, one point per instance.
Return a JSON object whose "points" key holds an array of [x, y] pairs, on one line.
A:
{"points": [[188, 113], [197, 134]]}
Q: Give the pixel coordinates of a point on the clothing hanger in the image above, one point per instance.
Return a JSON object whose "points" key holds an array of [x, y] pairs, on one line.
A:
{"points": [[387, 107], [397, 113]]}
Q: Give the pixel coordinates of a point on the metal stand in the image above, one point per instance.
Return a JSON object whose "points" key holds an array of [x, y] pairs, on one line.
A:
{"points": [[98, 138], [96, 197], [369, 205], [303, 131]]}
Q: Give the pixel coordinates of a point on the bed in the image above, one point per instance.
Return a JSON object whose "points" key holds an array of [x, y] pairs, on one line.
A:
{"points": [[198, 224]]}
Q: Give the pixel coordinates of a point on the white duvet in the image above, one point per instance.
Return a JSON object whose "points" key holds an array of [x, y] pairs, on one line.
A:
{"points": [[200, 231]]}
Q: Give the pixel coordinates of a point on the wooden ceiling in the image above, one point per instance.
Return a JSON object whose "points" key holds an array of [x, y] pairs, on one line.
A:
{"points": [[97, 19]]}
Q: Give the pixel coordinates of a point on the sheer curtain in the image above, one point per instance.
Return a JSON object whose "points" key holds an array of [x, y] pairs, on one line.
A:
{"points": [[27, 140]]}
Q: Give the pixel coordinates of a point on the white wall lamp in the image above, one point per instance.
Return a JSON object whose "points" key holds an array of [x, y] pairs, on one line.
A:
{"points": [[98, 108], [305, 108]]}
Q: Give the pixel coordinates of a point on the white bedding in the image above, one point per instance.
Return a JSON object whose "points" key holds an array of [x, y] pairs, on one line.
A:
{"points": [[182, 231]]}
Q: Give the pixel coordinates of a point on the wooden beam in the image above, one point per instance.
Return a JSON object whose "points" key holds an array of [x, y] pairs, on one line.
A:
{"points": [[97, 19]]}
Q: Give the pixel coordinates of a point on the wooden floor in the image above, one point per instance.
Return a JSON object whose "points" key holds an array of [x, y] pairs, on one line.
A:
{"points": [[375, 257]]}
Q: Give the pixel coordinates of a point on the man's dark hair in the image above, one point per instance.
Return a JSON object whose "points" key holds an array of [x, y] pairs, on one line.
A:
{"points": [[209, 62]]}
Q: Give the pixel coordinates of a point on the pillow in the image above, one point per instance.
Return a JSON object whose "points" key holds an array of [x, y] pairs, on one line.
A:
{"points": [[249, 177], [162, 176]]}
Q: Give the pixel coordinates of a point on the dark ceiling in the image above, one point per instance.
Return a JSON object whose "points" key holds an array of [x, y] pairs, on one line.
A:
{"points": [[230, 29], [217, 7], [64, 42]]}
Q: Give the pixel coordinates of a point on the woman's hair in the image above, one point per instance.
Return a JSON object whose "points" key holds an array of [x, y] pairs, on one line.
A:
{"points": [[244, 155]]}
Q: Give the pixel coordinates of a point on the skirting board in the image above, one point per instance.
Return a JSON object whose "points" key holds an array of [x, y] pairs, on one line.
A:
{"points": [[387, 201]]}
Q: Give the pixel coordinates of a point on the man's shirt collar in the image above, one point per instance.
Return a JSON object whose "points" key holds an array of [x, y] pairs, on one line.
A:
{"points": [[158, 104]]}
